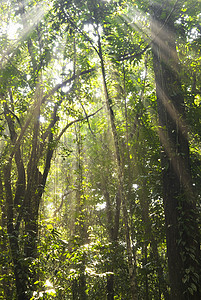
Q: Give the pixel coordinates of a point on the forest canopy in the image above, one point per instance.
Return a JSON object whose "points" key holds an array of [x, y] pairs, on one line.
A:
{"points": [[100, 158]]}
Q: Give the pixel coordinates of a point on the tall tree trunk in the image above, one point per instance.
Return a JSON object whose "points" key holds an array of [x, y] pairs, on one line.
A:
{"points": [[22, 202], [131, 258], [149, 236], [80, 227], [110, 287], [179, 204], [5, 270], [20, 271], [113, 230], [145, 280]]}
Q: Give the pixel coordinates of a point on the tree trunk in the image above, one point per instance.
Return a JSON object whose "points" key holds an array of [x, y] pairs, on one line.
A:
{"points": [[4, 272], [80, 227], [20, 272], [179, 204], [146, 282], [110, 287], [131, 258], [149, 237], [22, 203], [113, 230]]}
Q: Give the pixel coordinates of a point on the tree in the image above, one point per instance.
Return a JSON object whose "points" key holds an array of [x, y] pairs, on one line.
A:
{"points": [[179, 203]]}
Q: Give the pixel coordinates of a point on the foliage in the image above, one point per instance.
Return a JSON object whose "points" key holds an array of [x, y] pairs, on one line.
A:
{"points": [[65, 162]]}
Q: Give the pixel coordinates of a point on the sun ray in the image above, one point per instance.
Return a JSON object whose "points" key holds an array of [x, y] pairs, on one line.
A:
{"points": [[29, 21], [153, 32], [159, 36], [173, 112]]}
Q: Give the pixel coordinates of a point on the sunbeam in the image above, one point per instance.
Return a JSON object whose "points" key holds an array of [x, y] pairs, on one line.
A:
{"points": [[160, 36], [177, 162], [152, 31], [173, 112], [22, 28]]}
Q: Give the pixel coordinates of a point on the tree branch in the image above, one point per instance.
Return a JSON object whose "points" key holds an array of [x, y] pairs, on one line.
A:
{"points": [[32, 111], [134, 55], [21, 181], [82, 32], [76, 121], [64, 83], [62, 201], [87, 117]]}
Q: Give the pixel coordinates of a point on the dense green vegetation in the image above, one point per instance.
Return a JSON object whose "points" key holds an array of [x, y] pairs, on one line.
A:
{"points": [[100, 158]]}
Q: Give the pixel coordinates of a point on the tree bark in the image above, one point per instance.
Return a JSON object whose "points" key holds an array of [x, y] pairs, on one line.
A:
{"points": [[179, 204]]}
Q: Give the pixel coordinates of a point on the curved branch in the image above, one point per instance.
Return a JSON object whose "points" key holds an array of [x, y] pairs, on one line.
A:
{"points": [[87, 117], [76, 121], [64, 83], [134, 55], [62, 201]]}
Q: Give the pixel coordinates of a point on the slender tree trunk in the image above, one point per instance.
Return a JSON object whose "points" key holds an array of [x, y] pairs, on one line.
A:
{"points": [[4, 272], [113, 230], [80, 229], [110, 287], [131, 259], [183, 241], [162, 285], [146, 282]]}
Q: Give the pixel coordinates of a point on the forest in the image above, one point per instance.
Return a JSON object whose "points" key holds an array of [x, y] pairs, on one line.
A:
{"points": [[100, 156]]}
